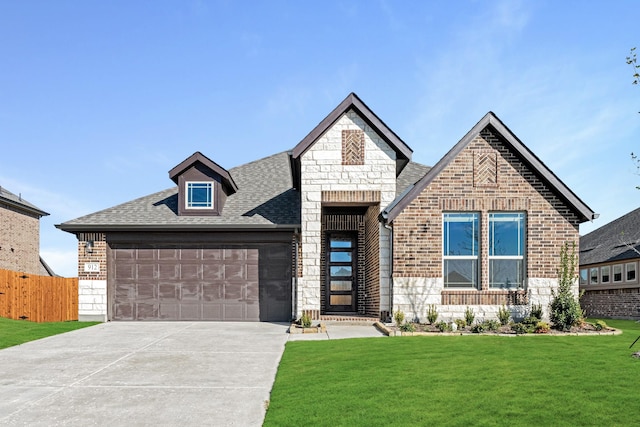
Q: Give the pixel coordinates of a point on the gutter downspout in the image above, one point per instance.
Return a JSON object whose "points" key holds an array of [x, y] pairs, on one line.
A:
{"points": [[294, 296], [390, 228]]}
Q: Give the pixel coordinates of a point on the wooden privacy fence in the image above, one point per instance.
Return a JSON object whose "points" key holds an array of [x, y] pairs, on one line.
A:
{"points": [[38, 298]]}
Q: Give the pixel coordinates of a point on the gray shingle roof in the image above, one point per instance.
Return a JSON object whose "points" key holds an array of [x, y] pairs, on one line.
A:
{"points": [[18, 202], [265, 199], [613, 241]]}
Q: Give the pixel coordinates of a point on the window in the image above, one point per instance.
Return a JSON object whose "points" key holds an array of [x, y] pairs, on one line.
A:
{"points": [[593, 277], [617, 273], [199, 195], [584, 274], [460, 250], [630, 267], [605, 273], [506, 250]]}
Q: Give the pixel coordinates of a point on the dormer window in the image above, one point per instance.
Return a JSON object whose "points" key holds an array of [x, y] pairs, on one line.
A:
{"points": [[203, 186], [199, 195]]}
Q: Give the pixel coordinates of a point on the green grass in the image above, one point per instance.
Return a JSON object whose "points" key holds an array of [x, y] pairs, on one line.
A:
{"points": [[463, 380], [15, 332]]}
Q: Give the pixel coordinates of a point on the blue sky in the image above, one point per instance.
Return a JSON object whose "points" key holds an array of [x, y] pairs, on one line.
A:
{"points": [[99, 100]]}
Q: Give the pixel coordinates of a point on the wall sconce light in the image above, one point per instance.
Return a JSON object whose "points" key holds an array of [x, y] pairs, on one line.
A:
{"points": [[88, 246]]}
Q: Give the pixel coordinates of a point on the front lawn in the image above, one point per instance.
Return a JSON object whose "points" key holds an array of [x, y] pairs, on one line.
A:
{"points": [[461, 380], [14, 332]]}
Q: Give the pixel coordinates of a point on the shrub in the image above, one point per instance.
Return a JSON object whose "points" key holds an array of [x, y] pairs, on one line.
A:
{"points": [[478, 328], [519, 328], [398, 316], [469, 315], [443, 326], [536, 311], [461, 323], [432, 314], [564, 310], [542, 328], [600, 325], [305, 320], [530, 322], [407, 327], [491, 325], [504, 315]]}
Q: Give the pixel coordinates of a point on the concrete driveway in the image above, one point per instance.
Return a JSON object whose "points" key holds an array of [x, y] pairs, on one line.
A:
{"points": [[160, 374]]}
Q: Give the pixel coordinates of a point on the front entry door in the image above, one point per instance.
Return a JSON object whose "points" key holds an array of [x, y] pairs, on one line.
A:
{"points": [[341, 284]]}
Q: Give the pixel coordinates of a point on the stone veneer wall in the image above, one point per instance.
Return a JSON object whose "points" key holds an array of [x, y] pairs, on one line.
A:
{"points": [[92, 286], [506, 185], [19, 240], [322, 169]]}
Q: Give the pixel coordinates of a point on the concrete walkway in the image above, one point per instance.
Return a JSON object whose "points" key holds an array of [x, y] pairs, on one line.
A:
{"points": [[139, 374], [340, 330]]}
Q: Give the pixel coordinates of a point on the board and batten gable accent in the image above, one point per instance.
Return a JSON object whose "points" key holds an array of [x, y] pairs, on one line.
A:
{"points": [[325, 177], [417, 269]]}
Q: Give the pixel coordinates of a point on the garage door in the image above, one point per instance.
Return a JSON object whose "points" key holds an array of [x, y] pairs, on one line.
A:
{"points": [[183, 282]]}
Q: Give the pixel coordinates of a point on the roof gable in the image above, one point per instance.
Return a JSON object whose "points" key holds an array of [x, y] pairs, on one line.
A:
{"points": [[209, 164], [490, 120], [353, 102]]}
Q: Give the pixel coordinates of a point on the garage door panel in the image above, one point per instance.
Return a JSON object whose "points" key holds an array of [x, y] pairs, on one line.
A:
{"points": [[168, 271], [212, 272], [183, 282], [168, 292], [190, 292], [190, 271], [190, 312]]}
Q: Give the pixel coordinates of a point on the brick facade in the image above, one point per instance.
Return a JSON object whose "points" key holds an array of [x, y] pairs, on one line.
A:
{"points": [[505, 183], [92, 285], [621, 303], [19, 240]]}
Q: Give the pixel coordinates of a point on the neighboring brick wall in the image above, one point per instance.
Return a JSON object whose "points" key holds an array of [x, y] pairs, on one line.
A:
{"points": [[19, 240], [615, 303], [322, 170], [418, 229]]}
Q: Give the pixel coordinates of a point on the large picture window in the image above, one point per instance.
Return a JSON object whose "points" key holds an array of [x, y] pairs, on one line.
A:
{"points": [[506, 250], [199, 195], [460, 250]]}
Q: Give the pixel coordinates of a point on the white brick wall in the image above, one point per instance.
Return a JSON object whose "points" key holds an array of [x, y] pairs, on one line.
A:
{"points": [[322, 170], [92, 300]]}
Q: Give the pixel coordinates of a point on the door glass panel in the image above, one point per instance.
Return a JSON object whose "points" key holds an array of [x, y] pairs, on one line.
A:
{"points": [[340, 243], [341, 285], [340, 256], [340, 270], [340, 300]]}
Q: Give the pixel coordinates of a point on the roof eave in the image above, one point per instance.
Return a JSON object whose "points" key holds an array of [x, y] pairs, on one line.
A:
{"points": [[23, 207], [91, 228]]}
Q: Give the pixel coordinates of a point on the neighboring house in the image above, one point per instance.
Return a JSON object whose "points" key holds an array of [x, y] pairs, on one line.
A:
{"points": [[609, 259], [20, 235], [343, 226]]}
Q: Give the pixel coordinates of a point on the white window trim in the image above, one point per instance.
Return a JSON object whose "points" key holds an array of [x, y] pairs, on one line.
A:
{"points": [[597, 271], [626, 272], [507, 257], [602, 275], [212, 195], [476, 257], [622, 273]]}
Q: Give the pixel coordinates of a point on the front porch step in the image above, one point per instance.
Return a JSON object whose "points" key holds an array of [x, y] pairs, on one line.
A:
{"points": [[348, 319]]}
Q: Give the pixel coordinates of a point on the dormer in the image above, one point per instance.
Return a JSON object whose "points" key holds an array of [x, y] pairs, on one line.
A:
{"points": [[203, 186]]}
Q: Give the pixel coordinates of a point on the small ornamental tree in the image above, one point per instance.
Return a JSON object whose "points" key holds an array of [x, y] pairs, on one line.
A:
{"points": [[564, 310]]}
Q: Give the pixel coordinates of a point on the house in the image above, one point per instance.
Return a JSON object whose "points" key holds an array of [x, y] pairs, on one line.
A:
{"points": [[609, 259], [344, 225], [20, 235]]}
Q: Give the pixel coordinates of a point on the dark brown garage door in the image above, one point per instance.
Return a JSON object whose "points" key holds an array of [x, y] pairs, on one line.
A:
{"points": [[183, 282]]}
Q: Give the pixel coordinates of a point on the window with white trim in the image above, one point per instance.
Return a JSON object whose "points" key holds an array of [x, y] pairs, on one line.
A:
{"points": [[593, 276], [460, 249], [630, 268], [506, 249], [605, 274], [617, 273], [584, 274], [199, 195]]}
